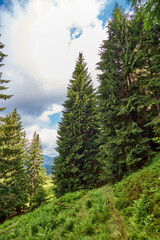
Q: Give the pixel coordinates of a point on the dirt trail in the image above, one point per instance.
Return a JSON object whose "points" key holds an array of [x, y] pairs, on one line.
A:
{"points": [[116, 217]]}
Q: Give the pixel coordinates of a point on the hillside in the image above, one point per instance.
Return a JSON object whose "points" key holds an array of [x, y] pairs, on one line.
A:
{"points": [[128, 210]]}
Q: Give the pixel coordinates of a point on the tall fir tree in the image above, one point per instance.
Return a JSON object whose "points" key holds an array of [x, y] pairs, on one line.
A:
{"points": [[12, 171], [124, 148], [148, 79], [77, 167], [34, 165], [143, 65]]}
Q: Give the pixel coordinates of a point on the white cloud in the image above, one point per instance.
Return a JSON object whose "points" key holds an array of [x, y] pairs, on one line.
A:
{"points": [[39, 38], [48, 137], [43, 119], [42, 55], [50, 111]]}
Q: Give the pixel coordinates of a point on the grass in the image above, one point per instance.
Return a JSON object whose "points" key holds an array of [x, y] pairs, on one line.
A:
{"points": [[48, 186], [69, 220], [79, 215], [138, 196], [128, 210]]}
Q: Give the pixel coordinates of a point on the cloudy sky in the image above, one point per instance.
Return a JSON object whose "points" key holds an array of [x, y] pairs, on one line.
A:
{"points": [[42, 40]]}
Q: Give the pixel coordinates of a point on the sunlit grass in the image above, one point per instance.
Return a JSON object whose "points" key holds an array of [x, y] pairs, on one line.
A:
{"points": [[48, 186]]}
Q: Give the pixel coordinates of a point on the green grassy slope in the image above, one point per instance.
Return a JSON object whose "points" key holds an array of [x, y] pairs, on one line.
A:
{"points": [[128, 210], [138, 197]]}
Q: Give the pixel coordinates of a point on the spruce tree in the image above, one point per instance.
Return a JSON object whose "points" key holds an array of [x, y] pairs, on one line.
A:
{"points": [[12, 171], [112, 87], [148, 79], [76, 166], [143, 66], [34, 165], [124, 148]]}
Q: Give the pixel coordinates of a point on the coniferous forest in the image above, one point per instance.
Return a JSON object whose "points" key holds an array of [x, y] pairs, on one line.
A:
{"points": [[107, 171]]}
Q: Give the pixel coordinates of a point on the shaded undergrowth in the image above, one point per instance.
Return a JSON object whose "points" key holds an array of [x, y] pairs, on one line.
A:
{"points": [[138, 197]]}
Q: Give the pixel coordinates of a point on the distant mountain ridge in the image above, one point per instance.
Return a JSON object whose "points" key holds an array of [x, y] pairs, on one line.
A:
{"points": [[48, 163]]}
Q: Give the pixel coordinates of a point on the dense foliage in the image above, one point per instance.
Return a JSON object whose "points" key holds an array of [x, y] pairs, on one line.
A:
{"points": [[128, 95], [150, 10]]}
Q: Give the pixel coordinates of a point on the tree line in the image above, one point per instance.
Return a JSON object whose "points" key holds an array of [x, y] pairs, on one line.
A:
{"points": [[21, 171], [104, 134], [107, 134]]}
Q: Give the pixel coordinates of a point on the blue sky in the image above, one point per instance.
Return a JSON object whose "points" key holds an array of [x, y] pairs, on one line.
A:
{"points": [[42, 40], [54, 119], [107, 11], [8, 4]]}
